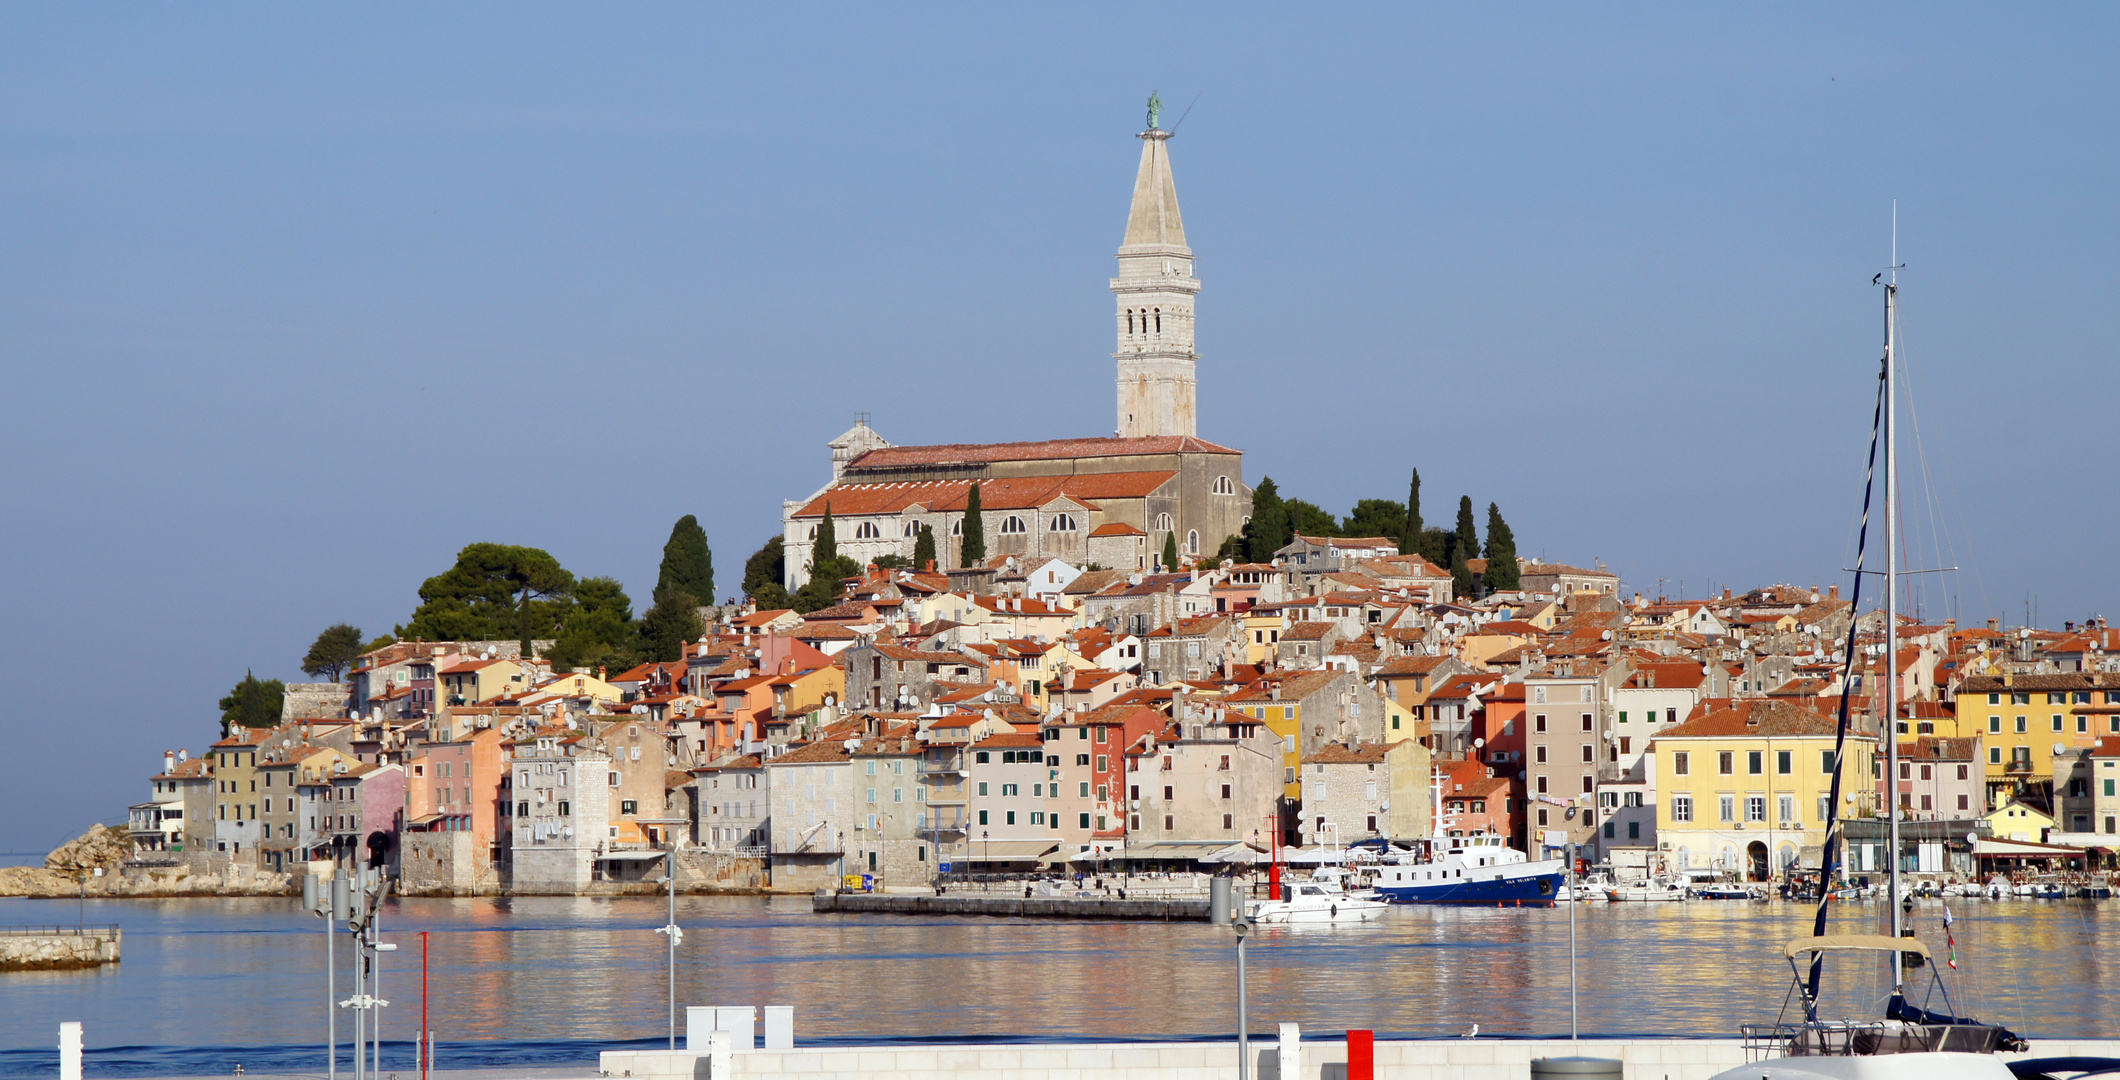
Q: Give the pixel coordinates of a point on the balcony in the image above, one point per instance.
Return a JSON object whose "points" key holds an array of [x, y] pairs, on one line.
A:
{"points": [[943, 823], [2017, 767], [940, 768]]}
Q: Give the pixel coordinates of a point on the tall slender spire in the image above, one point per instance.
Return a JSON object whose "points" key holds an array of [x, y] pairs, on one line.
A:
{"points": [[1155, 289]]}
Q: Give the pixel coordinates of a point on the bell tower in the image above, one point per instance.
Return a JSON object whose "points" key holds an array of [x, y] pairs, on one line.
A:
{"points": [[1155, 290]]}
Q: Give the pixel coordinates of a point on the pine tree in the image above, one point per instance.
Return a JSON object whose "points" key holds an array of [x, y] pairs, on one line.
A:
{"points": [[974, 550], [763, 573], [687, 562], [1170, 552], [924, 548], [827, 546], [335, 650], [1466, 540], [673, 621], [1503, 571], [1410, 533], [254, 703], [1267, 532]]}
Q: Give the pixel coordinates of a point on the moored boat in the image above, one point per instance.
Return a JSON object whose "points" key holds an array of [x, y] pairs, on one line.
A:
{"points": [[1469, 870]]}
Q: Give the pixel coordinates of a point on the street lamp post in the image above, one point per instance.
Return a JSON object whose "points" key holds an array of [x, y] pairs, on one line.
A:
{"points": [[671, 929]]}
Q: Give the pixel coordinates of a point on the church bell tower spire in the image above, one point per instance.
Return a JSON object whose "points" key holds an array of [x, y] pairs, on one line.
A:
{"points": [[1155, 290]]}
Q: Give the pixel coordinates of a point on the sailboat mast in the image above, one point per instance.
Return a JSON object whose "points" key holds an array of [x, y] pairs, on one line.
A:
{"points": [[1889, 715]]}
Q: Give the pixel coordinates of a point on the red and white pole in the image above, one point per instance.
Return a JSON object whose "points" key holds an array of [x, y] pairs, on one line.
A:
{"points": [[426, 1034]]}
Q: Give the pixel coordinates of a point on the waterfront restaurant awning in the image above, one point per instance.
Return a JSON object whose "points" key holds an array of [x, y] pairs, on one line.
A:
{"points": [[1992, 848], [1317, 856], [632, 856], [1197, 851], [1009, 850], [1239, 854]]}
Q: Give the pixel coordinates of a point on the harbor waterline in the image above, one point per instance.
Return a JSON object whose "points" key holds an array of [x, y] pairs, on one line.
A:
{"points": [[208, 983]]}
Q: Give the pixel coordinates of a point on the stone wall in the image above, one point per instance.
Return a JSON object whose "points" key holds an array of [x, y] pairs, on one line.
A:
{"points": [[91, 947], [303, 700], [442, 864]]}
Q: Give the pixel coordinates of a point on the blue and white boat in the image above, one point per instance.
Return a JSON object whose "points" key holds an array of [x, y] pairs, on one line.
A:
{"points": [[1468, 870]]}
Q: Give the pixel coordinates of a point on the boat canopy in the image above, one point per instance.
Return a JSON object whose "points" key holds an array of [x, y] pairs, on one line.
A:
{"points": [[1871, 942]]}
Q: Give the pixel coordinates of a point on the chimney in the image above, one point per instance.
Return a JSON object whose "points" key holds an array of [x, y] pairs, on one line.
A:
{"points": [[169, 762], [1995, 625], [1833, 591]]}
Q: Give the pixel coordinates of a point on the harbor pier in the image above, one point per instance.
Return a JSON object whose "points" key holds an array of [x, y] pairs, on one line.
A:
{"points": [[51, 948]]}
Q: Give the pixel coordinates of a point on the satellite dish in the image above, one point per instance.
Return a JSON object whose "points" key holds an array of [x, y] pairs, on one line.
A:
{"points": [[1478, 743], [2060, 749], [1972, 838]]}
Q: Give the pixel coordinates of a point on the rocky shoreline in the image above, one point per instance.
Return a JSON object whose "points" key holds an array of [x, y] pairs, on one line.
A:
{"points": [[72, 870]]}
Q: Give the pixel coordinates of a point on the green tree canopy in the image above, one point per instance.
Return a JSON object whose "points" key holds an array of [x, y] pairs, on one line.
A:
{"points": [[1267, 532], [1504, 572], [974, 548], [673, 621], [1466, 537], [687, 562], [253, 703], [826, 546], [1410, 530], [335, 650], [494, 592], [891, 562], [1375, 517], [378, 642], [764, 572], [1170, 552], [924, 548], [1232, 550], [1309, 519], [1463, 585], [827, 580], [598, 629]]}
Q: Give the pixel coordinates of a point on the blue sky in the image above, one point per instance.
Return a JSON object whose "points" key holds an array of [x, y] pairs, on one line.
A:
{"points": [[297, 301]]}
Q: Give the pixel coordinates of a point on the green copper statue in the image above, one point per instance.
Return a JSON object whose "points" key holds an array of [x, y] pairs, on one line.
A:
{"points": [[1155, 111]]}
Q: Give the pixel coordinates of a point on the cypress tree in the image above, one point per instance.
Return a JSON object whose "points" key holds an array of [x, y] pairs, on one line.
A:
{"points": [[1268, 530], [1410, 533], [1467, 537], [1503, 571], [924, 548], [1170, 552], [974, 531], [687, 562], [1463, 586], [827, 546]]}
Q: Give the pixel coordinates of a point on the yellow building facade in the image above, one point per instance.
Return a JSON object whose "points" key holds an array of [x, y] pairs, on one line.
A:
{"points": [[1743, 787]]}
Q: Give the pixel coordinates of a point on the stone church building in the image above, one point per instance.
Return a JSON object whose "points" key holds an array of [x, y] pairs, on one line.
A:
{"points": [[1110, 501]]}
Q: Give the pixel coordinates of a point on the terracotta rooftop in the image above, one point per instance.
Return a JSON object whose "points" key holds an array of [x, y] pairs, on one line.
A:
{"points": [[893, 457]]}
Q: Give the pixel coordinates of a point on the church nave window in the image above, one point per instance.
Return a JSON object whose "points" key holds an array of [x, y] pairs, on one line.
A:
{"points": [[1223, 486], [1163, 523], [867, 530], [1012, 524], [912, 530], [1192, 542], [1063, 523]]}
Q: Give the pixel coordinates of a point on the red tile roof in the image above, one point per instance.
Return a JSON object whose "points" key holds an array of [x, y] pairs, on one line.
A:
{"points": [[892, 457], [995, 493]]}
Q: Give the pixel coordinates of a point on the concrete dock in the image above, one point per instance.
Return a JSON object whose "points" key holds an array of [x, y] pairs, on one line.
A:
{"points": [[1036, 907], [50, 948], [1315, 1055]]}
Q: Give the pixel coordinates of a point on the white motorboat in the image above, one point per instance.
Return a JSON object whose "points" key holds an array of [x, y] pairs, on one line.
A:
{"points": [[1662, 888], [1314, 902], [1588, 889]]}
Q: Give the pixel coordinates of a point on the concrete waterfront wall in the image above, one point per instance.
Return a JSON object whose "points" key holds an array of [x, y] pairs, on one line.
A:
{"points": [[1036, 907], [1324, 1057], [92, 947]]}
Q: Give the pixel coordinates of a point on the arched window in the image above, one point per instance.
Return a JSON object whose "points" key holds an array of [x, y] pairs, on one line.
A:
{"points": [[1192, 542], [957, 527], [1012, 524], [867, 530], [1063, 523], [813, 532], [1225, 486], [1159, 320], [912, 530], [1163, 523]]}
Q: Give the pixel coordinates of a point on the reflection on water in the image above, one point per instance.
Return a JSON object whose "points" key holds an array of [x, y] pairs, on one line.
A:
{"points": [[250, 973]]}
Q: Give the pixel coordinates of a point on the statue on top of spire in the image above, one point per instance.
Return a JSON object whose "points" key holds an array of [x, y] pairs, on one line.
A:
{"points": [[1155, 110]]}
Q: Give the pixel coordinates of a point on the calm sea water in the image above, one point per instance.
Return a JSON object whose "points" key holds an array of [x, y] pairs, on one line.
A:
{"points": [[207, 984]]}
